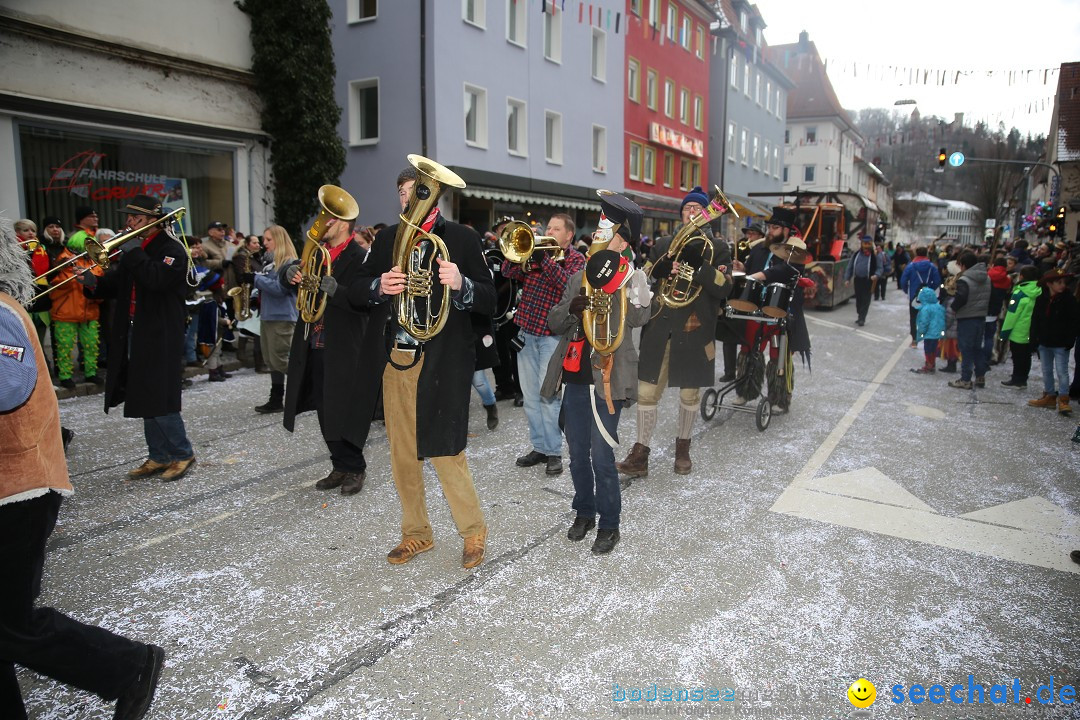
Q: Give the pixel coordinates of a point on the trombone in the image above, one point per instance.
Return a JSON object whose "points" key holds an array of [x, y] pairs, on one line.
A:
{"points": [[102, 253], [518, 242]]}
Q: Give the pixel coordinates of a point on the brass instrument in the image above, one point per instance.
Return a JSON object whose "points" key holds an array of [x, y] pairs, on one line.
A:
{"points": [[417, 263], [241, 294], [517, 242], [597, 317], [315, 260], [102, 253], [679, 290]]}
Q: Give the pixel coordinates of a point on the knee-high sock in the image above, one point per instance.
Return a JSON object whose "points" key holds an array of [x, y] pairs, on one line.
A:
{"points": [[686, 422], [646, 423]]}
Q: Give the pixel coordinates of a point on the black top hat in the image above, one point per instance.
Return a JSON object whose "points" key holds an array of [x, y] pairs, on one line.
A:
{"points": [[143, 205], [622, 210], [782, 216]]}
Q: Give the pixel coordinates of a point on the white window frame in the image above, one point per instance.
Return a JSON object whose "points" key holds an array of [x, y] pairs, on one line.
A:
{"points": [[599, 149], [633, 80], [520, 11], [652, 91], [776, 161], [522, 126], [633, 166], [669, 164], [700, 33], [648, 164], [352, 12], [553, 152], [809, 173], [598, 62], [686, 30], [553, 26], [356, 116], [755, 152], [757, 88], [734, 70], [746, 79], [684, 106], [699, 112], [744, 147], [768, 96], [654, 13], [810, 135], [479, 18], [732, 131], [635, 7], [481, 140], [785, 177], [669, 98], [686, 175], [779, 99], [672, 21]]}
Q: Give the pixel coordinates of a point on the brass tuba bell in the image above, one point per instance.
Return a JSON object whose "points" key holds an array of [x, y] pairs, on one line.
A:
{"points": [[315, 260]]}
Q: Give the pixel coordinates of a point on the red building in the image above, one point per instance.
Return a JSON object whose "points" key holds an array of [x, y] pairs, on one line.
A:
{"points": [[666, 110]]}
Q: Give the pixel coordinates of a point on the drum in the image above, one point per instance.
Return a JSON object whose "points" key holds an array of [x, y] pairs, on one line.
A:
{"points": [[745, 293], [776, 300]]}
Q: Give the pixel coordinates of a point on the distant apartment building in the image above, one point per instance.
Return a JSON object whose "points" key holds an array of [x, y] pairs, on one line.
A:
{"points": [[922, 218], [666, 107], [526, 106]]}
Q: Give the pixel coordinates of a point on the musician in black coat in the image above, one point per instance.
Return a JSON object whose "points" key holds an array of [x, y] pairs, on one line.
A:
{"points": [[426, 386], [146, 337], [327, 368]]}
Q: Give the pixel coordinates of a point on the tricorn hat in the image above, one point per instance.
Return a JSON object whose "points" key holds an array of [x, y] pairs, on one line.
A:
{"points": [[782, 216], [143, 205]]}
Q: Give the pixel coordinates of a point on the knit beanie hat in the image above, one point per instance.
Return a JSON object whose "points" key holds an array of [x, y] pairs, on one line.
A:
{"points": [[696, 195]]}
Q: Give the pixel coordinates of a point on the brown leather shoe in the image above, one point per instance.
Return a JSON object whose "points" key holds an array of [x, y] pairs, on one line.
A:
{"points": [[473, 554], [636, 463], [1063, 405], [178, 469], [1048, 400], [407, 549], [148, 468], [331, 481], [683, 466], [352, 484]]}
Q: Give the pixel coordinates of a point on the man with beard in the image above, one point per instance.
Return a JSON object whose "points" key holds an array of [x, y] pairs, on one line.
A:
{"points": [[33, 484]]}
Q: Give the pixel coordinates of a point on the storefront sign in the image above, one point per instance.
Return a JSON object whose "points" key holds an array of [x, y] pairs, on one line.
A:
{"points": [[675, 139], [80, 175]]}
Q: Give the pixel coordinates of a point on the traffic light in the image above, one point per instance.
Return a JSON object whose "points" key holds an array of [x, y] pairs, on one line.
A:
{"points": [[941, 157], [1057, 225]]}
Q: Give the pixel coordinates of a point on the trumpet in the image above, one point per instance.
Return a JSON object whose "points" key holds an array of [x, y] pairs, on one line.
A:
{"points": [[680, 290], [518, 242], [315, 260], [102, 253]]}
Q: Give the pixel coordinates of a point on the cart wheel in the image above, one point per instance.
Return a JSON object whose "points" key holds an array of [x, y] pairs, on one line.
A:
{"points": [[763, 415], [708, 405]]}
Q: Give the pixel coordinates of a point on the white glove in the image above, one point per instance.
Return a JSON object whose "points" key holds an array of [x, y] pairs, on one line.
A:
{"points": [[637, 291]]}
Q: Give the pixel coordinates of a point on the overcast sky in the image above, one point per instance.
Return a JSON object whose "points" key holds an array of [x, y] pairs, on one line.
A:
{"points": [[952, 35]]}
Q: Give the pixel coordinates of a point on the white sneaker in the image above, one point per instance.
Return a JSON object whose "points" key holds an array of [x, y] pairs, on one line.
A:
{"points": [[739, 400]]}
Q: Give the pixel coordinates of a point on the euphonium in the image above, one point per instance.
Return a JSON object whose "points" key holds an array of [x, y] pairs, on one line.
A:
{"points": [[680, 290], [603, 330], [241, 294], [315, 260], [419, 263], [517, 242]]}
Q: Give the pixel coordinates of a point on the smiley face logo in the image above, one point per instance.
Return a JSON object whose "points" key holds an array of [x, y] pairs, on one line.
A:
{"points": [[862, 693]]}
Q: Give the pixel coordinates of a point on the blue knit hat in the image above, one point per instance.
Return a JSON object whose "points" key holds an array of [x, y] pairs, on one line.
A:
{"points": [[696, 195]]}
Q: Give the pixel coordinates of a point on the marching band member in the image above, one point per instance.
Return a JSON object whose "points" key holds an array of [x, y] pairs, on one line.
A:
{"points": [[591, 423], [326, 367], [543, 283], [426, 387], [146, 340], [678, 345]]}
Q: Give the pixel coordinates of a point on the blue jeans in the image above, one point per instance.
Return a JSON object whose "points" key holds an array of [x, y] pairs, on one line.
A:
{"points": [[166, 438], [483, 387], [1055, 358], [542, 413], [592, 460], [969, 336]]}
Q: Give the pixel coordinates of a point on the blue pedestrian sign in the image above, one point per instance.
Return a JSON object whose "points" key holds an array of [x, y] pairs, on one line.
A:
{"points": [[956, 159]]}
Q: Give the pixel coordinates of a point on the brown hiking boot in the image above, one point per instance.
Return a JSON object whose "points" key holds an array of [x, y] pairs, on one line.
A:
{"points": [[352, 483], [636, 463], [682, 457], [178, 469], [148, 468], [407, 549], [473, 554], [1048, 400], [1063, 405]]}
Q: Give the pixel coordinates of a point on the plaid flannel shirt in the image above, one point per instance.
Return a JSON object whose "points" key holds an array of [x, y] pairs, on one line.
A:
{"points": [[541, 289]]}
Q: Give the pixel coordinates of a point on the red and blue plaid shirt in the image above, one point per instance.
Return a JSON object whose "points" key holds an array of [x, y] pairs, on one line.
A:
{"points": [[541, 289]]}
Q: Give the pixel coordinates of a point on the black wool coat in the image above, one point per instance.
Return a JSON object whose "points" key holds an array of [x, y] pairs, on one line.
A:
{"points": [[148, 380], [443, 391], [344, 369], [691, 329]]}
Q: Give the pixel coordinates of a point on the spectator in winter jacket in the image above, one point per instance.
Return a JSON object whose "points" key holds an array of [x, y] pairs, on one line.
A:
{"points": [[930, 328], [920, 273], [1000, 287], [1016, 327], [1053, 328], [971, 303], [885, 268], [864, 269], [1020, 252]]}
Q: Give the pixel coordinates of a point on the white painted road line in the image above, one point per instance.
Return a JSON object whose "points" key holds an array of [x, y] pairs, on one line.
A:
{"points": [[857, 331]]}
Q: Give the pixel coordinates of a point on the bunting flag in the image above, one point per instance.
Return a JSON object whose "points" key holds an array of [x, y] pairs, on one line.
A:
{"points": [[580, 12]]}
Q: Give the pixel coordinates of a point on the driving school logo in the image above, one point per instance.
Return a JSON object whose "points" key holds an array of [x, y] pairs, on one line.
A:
{"points": [[82, 175]]}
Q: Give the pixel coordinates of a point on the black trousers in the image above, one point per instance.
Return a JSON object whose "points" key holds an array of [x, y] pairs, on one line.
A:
{"points": [[506, 377], [1021, 355], [862, 296], [912, 313], [344, 456], [879, 289], [43, 639]]}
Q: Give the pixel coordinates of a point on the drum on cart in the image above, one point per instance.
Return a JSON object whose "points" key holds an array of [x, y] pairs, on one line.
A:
{"points": [[745, 293], [776, 300]]}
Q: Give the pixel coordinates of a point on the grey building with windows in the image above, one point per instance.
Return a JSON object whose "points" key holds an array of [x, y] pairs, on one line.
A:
{"points": [[525, 106]]}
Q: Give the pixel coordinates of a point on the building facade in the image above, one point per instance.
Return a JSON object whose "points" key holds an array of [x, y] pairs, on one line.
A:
{"points": [[525, 106], [666, 109], [131, 99], [923, 218], [1063, 148]]}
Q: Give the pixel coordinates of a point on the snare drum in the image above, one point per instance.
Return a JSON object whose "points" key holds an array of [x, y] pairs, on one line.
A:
{"points": [[745, 293], [776, 300]]}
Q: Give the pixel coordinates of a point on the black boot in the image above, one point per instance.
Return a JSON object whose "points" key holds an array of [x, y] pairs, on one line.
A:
{"points": [[492, 416], [274, 404]]}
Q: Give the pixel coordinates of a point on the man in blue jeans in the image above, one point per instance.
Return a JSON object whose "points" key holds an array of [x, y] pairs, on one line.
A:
{"points": [[543, 280], [971, 304]]}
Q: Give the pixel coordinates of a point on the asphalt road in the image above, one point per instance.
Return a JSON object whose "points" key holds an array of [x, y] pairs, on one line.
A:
{"points": [[889, 528]]}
